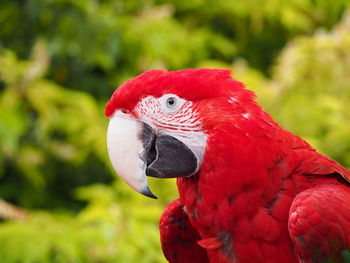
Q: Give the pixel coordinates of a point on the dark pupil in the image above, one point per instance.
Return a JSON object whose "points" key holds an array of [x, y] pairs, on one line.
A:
{"points": [[171, 101]]}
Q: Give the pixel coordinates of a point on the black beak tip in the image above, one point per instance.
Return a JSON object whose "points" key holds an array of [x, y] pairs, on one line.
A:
{"points": [[147, 192]]}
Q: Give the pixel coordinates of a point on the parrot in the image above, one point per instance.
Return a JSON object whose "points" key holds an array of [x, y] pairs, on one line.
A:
{"points": [[249, 190]]}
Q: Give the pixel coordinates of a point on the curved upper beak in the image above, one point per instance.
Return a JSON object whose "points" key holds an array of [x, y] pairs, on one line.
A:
{"points": [[135, 151]]}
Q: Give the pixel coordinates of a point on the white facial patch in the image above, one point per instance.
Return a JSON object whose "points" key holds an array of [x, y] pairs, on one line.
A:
{"points": [[181, 122]]}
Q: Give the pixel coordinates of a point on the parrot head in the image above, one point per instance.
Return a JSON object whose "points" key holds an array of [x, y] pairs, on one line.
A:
{"points": [[162, 123]]}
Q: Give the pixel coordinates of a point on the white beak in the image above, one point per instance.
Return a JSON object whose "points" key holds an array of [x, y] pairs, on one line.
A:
{"points": [[126, 149]]}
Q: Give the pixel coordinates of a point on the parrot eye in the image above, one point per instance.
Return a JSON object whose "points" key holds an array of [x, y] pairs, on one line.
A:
{"points": [[171, 102]]}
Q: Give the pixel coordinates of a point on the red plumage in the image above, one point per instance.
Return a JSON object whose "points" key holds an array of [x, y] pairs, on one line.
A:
{"points": [[178, 237], [262, 193]]}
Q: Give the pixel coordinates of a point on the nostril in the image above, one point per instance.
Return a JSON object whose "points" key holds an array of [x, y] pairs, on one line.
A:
{"points": [[124, 111]]}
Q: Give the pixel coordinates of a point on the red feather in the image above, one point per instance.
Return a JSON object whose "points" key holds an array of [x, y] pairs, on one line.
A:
{"points": [[262, 194], [178, 237]]}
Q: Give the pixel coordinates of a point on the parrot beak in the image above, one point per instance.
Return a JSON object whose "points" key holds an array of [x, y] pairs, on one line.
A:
{"points": [[136, 151], [128, 144]]}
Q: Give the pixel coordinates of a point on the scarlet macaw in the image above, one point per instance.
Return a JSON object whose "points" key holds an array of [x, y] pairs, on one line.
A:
{"points": [[250, 191]]}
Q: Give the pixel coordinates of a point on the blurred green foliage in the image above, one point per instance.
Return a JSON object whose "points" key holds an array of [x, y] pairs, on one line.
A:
{"points": [[60, 61]]}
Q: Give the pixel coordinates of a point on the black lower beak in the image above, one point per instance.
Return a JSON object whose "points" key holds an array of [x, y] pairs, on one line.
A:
{"points": [[168, 157]]}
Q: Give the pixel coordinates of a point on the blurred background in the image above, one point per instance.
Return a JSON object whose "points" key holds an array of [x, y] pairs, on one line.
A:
{"points": [[60, 61]]}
